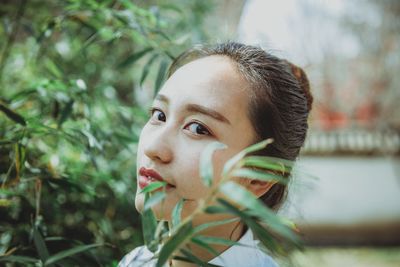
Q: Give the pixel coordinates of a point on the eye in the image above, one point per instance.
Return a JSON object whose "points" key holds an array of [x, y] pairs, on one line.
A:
{"points": [[157, 115], [197, 129]]}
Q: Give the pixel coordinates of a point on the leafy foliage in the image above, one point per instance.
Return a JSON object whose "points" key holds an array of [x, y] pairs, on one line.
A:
{"points": [[276, 234], [70, 74]]}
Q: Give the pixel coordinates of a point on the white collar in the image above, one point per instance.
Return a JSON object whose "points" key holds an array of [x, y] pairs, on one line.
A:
{"points": [[248, 255]]}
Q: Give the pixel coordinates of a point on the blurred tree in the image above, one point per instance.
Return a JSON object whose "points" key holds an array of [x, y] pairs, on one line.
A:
{"points": [[377, 27], [364, 71]]}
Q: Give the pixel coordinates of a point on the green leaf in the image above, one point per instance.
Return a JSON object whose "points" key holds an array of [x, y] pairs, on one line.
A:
{"points": [[215, 240], [206, 166], [259, 175], [149, 225], [12, 115], [146, 68], [19, 259], [7, 142], [255, 207], [173, 7], [182, 234], [260, 232], [266, 238], [53, 68], [202, 227], [134, 57], [258, 146], [205, 246], [156, 198], [162, 69], [215, 209], [69, 252], [66, 112], [192, 258], [268, 163], [235, 159], [153, 186], [40, 245], [162, 34], [176, 213]]}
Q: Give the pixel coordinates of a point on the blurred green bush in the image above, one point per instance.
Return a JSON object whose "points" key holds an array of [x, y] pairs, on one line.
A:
{"points": [[70, 72]]}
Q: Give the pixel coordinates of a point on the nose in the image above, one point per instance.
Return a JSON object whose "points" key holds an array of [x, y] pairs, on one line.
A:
{"points": [[158, 146]]}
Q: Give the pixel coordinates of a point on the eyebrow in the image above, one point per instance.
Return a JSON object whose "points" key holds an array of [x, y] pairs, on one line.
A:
{"points": [[162, 98], [198, 109]]}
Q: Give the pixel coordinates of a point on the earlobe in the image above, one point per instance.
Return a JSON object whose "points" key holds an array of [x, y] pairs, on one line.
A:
{"points": [[257, 187]]}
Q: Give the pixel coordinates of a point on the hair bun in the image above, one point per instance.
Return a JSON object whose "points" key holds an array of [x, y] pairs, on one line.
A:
{"points": [[304, 83]]}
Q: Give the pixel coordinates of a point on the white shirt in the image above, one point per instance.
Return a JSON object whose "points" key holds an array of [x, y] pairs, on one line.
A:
{"points": [[235, 256]]}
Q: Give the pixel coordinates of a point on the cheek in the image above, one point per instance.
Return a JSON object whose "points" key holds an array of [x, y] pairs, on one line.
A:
{"points": [[189, 183], [219, 160], [139, 153]]}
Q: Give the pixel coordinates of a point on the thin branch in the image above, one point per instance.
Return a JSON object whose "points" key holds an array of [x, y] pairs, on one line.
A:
{"points": [[11, 38]]}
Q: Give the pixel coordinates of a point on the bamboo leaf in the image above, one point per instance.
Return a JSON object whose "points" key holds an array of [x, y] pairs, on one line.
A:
{"points": [[205, 246], [134, 57], [156, 198], [173, 7], [215, 210], [146, 68], [176, 213], [66, 112], [153, 186], [206, 166], [268, 163], [162, 69], [149, 225], [216, 240], [260, 232], [235, 159], [182, 234], [12, 115], [232, 162], [259, 175], [264, 236], [7, 142], [278, 161], [19, 259], [40, 245], [202, 227], [192, 258], [53, 68], [258, 146], [69, 252], [255, 207]]}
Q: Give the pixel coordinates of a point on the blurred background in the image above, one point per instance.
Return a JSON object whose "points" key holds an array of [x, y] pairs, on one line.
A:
{"points": [[76, 76]]}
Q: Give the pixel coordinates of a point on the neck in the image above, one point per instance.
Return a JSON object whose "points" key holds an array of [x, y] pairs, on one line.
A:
{"points": [[232, 231]]}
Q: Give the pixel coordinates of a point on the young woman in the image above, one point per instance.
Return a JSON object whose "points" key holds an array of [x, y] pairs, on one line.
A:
{"points": [[234, 94]]}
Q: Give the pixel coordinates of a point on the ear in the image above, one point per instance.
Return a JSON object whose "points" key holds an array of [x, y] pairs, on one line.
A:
{"points": [[257, 187]]}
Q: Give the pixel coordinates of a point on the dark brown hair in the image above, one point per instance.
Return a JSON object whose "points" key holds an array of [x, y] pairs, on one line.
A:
{"points": [[279, 102]]}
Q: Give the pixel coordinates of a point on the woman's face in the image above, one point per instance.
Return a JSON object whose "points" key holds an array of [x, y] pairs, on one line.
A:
{"points": [[204, 101]]}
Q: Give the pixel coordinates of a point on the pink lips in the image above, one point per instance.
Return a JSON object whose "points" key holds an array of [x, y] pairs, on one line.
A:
{"points": [[148, 176]]}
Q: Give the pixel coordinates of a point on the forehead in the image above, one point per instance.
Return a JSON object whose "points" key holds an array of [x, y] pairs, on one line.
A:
{"points": [[214, 81]]}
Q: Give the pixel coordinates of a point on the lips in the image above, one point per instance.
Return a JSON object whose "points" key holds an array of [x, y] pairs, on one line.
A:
{"points": [[148, 176]]}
